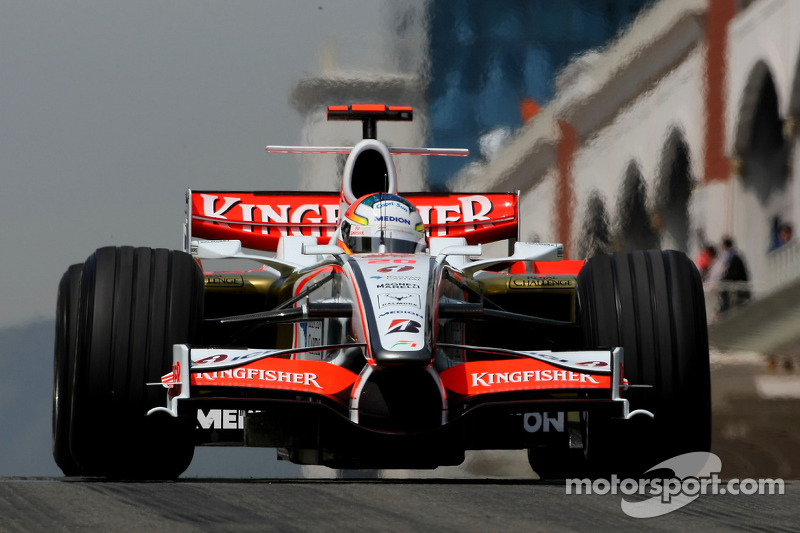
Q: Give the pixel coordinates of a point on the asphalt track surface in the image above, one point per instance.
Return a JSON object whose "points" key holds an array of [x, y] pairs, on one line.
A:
{"points": [[756, 434], [409, 505]]}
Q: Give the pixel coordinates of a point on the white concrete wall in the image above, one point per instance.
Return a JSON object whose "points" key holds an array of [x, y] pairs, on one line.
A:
{"points": [[768, 31], [639, 133], [537, 211]]}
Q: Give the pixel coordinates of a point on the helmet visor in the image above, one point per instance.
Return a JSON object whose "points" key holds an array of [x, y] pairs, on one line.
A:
{"points": [[397, 242]]}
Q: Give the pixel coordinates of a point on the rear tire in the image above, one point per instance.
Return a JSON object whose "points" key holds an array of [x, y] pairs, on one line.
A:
{"points": [[64, 366], [652, 305], [135, 304]]}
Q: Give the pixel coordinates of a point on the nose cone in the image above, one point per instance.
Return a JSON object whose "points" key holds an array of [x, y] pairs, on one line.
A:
{"points": [[420, 357], [394, 292]]}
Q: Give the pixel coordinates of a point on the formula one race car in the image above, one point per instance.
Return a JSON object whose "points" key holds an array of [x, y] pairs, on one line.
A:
{"points": [[364, 329]]}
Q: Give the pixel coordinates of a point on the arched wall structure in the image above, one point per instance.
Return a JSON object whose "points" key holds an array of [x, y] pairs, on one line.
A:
{"points": [[764, 60], [648, 98], [596, 236], [751, 101], [762, 202], [634, 228], [673, 193]]}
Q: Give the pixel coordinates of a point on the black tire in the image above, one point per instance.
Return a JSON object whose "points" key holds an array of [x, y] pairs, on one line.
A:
{"points": [[558, 463], [135, 304], [64, 365], [651, 304]]}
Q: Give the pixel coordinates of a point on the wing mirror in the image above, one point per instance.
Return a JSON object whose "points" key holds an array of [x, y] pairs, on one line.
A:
{"points": [[463, 250], [322, 249]]}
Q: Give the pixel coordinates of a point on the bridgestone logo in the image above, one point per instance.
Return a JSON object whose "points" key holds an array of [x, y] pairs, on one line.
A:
{"points": [[487, 379]]}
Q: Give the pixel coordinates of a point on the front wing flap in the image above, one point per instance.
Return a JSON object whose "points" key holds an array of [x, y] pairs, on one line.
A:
{"points": [[580, 377]]}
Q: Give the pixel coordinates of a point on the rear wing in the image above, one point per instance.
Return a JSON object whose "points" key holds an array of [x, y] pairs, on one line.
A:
{"points": [[369, 115], [260, 219]]}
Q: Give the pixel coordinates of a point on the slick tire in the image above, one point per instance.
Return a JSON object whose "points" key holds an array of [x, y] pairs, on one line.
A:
{"points": [[651, 304], [135, 304], [69, 293], [557, 463]]}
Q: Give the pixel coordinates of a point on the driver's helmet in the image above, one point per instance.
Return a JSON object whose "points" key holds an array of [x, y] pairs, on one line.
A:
{"points": [[382, 219]]}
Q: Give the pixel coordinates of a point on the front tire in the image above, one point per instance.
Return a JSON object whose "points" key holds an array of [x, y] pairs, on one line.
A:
{"points": [[135, 304], [652, 305], [64, 366]]}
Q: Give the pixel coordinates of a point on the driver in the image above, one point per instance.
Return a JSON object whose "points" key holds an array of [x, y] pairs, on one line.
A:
{"points": [[382, 223]]}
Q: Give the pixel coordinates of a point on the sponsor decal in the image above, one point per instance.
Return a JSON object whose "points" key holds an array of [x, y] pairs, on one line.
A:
{"points": [[581, 360], [386, 204], [403, 312], [260, 374], [395, 268], [551, 357], [395, 261], [480, 377], [397, 285], [399, 299], [172, 381], [310, 336], [540, 282], [389, 218], [475, 208], [276, 373], [229, 358], [403, 344], [543, 422], [281, 214], [174, 377], [592, 364], [225, 280], [487, 379], [221, 418], [259, 219], [314, 333], [211, 359], [402, 325]]}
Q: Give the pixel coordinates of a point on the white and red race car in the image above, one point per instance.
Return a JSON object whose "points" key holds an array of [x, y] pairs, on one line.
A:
{"points": [[364, 329]]}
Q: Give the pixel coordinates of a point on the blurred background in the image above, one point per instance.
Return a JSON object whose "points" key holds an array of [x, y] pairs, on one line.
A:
{"points": [[625, 124]]}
